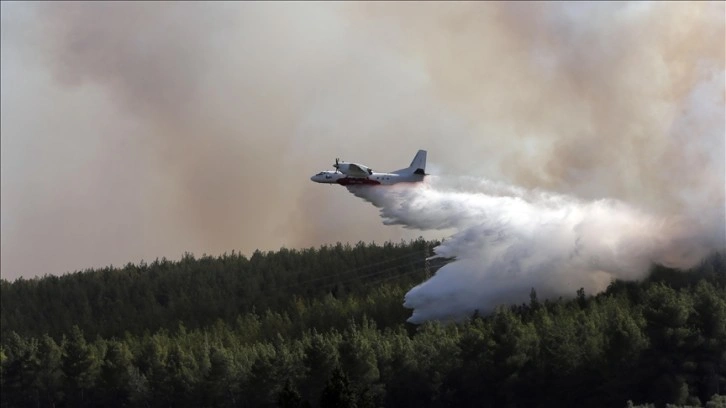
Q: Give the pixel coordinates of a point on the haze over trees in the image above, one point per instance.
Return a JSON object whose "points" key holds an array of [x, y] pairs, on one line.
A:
{"points": [[325, 327]]}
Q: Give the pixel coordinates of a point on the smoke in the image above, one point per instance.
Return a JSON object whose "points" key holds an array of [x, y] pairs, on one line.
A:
{"points": [[135, 130], [607, 121], [140, 130]]}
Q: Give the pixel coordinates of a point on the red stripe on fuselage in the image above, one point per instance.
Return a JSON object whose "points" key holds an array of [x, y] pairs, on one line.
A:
{"points": [[348, 181]]}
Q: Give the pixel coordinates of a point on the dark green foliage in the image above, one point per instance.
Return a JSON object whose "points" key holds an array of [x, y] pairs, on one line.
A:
{"points": [[320, 359], [49, 375], [324, 328], [19, 371], [80, 366], [289, 397], [338, 392], [218, 385], [294, 284], [115, 375]]}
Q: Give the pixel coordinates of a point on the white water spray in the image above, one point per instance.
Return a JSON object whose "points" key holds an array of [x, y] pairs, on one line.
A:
{"points": [[507, 240]]}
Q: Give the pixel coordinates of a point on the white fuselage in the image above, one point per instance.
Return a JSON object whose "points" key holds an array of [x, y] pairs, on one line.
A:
{"points": [[334, 177]]}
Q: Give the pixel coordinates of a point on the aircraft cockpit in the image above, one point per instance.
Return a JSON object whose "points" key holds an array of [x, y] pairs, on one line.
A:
{"points": [[325, 177]]}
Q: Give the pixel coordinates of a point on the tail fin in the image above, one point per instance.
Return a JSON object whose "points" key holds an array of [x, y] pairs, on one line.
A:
{"points": [[418, 165]]}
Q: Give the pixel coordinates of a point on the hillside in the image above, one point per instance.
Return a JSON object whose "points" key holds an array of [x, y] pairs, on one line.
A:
{"points": [[197, 292], [325, 327]]}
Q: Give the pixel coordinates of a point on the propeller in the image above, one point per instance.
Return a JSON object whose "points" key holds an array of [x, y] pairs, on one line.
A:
{"points": [[336, 164]]}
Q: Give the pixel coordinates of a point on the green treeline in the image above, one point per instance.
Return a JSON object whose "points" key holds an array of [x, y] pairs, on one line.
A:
{"points": [[308, 337], [137, 298]]}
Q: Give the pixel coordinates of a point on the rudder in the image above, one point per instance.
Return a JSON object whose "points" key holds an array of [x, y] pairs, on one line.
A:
{"points": [[418, 165]]}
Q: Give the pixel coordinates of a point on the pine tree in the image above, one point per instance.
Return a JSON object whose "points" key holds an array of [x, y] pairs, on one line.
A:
{"points": [[80, 368], [337, 392], [289, 397], [115, 374]]}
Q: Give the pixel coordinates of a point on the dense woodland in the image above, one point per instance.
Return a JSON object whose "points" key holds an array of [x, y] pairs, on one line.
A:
{"points": [[325, 327]]}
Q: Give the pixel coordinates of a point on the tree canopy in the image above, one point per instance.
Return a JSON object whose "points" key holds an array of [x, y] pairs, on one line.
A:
{"points": [[326, 327]]}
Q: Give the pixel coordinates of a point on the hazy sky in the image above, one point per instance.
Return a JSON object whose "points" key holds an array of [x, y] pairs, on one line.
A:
{"points": [[137, 130]]}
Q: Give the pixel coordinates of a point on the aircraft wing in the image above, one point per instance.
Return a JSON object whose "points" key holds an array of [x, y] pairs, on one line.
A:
{"points": [[356, 171]]}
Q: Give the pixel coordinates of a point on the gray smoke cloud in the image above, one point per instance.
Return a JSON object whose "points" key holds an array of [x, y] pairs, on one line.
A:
{"points": [[140, 130], [618, 115], [135, 130]]}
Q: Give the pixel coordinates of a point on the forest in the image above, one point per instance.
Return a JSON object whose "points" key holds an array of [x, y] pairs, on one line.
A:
{"points": [[325, 327]]}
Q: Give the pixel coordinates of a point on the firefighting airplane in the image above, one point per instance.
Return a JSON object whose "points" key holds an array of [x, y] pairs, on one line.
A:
{"points": [[347, 174]]}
